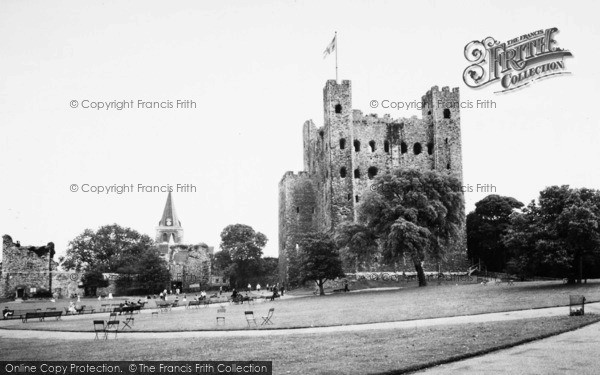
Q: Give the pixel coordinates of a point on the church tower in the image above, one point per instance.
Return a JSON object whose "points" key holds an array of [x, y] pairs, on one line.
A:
{"points": [[169, 228]]}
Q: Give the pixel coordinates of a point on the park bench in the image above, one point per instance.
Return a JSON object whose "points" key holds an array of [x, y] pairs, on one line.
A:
{"points": [[164, 306], [193, 303], [127, 309], [41, 315]]}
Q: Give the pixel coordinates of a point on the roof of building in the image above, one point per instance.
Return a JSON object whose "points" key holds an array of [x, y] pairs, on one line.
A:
{"points": [[169, 216]]}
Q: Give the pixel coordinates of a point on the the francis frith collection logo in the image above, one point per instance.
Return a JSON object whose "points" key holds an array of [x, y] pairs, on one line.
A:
{"points": [[515, 63]]}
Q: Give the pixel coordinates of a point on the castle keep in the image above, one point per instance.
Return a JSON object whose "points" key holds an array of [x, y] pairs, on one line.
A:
{"points": [[342, 158]]}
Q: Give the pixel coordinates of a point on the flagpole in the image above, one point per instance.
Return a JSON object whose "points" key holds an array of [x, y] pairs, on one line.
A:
{"points": [[336, 65]]}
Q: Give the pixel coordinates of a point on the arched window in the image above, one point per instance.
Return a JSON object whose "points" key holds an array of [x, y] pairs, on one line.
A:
{"points": [[403, 148], [430, 148], [342, 143], [356, 173], [417, 148], [321, 133], [357, 145], [338, 108], [372, 146], [165, 237], [343, 172], [446, 113], [386, 146], [372, 172]]}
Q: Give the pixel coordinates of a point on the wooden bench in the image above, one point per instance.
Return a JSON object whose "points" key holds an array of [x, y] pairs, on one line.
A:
{"points": [[164, 307], [41, 315], [507, 280], [193, 303]]}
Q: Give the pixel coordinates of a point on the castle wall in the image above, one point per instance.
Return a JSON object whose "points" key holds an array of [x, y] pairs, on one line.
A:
{"points": [[297, 214], [342, 158], [190, 264]]}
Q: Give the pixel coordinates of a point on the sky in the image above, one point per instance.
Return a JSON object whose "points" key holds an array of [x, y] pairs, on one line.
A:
{"points": [[256, 72]]}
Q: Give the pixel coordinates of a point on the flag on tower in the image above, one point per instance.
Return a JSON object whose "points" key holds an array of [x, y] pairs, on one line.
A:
{"points": [[331, 47]]}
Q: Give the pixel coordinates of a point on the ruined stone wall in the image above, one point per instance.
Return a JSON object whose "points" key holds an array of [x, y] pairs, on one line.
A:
{"points": [[25, 269], [190, 264]]}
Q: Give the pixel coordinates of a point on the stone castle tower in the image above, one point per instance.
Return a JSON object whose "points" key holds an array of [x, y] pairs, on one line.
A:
{"points": [[342, 158], [169, 229]]}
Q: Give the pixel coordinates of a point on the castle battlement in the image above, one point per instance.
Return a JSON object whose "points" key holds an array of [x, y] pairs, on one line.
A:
{"points": [[290, 175]]}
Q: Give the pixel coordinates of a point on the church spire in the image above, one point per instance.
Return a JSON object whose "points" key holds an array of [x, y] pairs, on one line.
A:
{"points": [[169, 226], [169, 216]]}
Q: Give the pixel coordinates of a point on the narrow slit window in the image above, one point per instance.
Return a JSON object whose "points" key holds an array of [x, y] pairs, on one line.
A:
{"points": [[357, 145], [403, 148], [386, 146], [372, 146], [343, 172], [342, 143], [356, 173], [430, 148]]}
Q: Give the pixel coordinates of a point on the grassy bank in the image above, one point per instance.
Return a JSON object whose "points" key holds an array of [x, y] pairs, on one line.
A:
{"points": [[337, 353]]}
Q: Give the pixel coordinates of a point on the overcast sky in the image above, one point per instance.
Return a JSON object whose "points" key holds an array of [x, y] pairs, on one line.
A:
{"points": [[256, 72]]}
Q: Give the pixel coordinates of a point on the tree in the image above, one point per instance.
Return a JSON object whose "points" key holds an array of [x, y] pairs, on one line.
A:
{"points": [[115, 249], [415, 214], [357, 244], [106, 249], [485, 227], [559, 235], [320, 260], [244, 247], [146, 274]]}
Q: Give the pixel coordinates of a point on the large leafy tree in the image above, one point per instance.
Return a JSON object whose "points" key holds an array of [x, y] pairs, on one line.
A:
{"points": [[115, 249], [106, 249], [414, 214], [560, 234], [319, 260], [243, 246], [485, 227]]}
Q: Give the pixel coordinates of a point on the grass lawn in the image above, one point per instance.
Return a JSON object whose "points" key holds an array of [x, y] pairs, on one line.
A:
{"points": [[410, 302], [334, 353]]}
